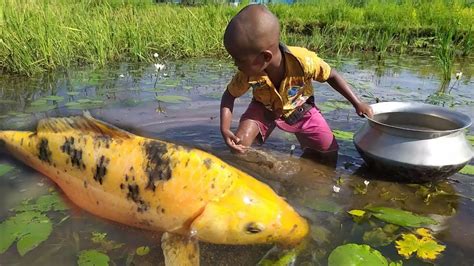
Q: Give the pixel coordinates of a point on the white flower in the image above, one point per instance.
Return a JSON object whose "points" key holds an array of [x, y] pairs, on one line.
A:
{"points": [[155, 55], [336, 189], [293, 147], [458, 75], [159, 67], [122, 75], [366, 182]]}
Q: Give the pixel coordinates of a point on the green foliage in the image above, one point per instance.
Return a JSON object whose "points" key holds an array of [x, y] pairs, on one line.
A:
{"points": [[92, 258], [45, 203], [29, 228], [343, 135], [5, 168], [172, 98], [44, 35], [142, 251], [400, 217], [356, 255], [467, 170]]}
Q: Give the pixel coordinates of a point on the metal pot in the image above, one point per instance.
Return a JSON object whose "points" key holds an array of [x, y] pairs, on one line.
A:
{"points": [[414, 141]]}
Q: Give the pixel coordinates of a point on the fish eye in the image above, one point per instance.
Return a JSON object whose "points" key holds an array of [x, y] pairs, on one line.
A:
{"points": [[254, 228]]}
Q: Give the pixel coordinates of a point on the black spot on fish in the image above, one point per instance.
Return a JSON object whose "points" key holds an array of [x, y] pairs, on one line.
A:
{"points": [[187, 162], [253, 228], [102, 141], [208, 163], [101, 169], [97, 202], [44, 153], [32, 135], [122, 186], [134, 195], [74, 154], [158, 164], [126, 177], [21, 142], [85, 184]]}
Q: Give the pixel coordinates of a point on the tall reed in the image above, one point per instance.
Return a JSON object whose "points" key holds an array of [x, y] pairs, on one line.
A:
{"points": [[38, 35]]}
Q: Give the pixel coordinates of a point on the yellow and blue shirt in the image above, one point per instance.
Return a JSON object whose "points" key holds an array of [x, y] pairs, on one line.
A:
{"points": [[302, 66]]}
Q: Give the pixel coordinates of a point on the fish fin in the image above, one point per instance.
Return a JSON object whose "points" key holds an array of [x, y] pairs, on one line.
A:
{"points": [[85, 123], [180, 250]]}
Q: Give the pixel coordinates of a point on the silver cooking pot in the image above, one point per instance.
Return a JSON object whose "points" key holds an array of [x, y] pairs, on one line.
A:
{"points": [[414, 141]]}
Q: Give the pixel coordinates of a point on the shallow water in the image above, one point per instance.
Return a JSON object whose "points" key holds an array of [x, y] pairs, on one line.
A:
{"points": [[125, 96]]}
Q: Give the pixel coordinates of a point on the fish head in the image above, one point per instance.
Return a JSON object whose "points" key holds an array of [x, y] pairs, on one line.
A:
{"points": [[251, 213]]}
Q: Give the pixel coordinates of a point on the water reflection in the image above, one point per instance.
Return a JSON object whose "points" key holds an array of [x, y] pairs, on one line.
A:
{"points": [[125, 95]]}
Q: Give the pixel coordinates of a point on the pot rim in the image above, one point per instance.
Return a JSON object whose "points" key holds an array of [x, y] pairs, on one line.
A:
{"points": [[457, 117]]}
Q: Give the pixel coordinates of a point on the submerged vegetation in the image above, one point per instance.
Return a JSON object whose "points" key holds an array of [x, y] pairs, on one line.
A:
{"points": [[40, 35]]}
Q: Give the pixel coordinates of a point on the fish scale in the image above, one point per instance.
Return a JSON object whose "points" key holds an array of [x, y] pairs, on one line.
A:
{"points": [[155, 185]]}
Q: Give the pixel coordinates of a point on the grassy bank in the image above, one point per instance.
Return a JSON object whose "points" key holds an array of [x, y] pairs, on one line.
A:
{"points": [[38, 35]]}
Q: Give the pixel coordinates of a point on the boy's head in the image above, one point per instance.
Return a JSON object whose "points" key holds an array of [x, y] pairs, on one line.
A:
{"points": [[252, 38]]}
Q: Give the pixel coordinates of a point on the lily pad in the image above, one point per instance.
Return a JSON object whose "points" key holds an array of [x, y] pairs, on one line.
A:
{"points": [[470, 138], [400, 217], [355, 255], [378, 237], [5, 168], [50, 202], [85, 104], [92, 258], [467, 170], [424, 246], [324, 206], [142, 251], [29, 228], [54, 98], [343, 135], [332, 105], [172, 98]]}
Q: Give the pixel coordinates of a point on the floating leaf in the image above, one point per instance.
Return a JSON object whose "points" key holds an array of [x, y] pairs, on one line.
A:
{"points": [[470, 138], [332, 105], [343, 135], [320, 234], [353, 254], [425, 247], [467, 170], [172, 98], [358, 213], [142, 251], [54, 98], [378, 237], [51, 202], [101, 238], [5, 168], [92, 258], [324, 206], [281, 257], [400, 217], [29, 228]]}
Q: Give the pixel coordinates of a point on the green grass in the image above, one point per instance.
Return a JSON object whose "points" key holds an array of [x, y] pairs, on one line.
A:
{"points": [[39, 35]]}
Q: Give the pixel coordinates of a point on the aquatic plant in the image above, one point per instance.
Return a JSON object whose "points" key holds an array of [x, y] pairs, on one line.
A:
{"points": [[45, 35]]}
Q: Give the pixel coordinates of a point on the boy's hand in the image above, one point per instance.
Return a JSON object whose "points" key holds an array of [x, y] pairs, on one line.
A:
{"points": [[233, 142], [363, 108]]}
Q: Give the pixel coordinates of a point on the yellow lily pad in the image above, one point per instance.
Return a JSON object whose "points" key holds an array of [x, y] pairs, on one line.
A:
{"points": [[425, 247], [358, 213]]}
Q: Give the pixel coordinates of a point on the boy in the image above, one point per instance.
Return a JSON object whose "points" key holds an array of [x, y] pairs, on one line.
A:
{"points": [[280, 78]]}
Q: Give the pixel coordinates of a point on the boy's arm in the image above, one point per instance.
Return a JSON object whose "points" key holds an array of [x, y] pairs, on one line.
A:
{"points": [[339, 84], [227, 107]]}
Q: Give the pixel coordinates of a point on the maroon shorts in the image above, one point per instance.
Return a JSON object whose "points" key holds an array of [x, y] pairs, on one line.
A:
{"points": [[312, 131]]}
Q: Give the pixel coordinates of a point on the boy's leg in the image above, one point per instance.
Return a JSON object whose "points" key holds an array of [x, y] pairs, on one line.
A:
{"points": [[255, 123], [315, 137]]}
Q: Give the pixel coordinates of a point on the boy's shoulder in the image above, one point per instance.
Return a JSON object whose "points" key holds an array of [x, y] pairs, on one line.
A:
{"points": [[308, 60]]}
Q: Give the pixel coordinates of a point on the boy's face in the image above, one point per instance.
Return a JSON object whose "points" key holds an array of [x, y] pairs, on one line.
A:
{"points": [[251, 64]]}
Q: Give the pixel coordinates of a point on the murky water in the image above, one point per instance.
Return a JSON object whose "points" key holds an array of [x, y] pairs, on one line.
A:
{"points": [[126, 95]]}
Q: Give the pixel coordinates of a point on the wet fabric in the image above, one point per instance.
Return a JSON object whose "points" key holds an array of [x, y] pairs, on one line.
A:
{"points": [[312, 130]]}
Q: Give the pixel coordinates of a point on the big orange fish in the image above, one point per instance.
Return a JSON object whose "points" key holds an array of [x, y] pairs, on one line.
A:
{"points": [[156, 185]]}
